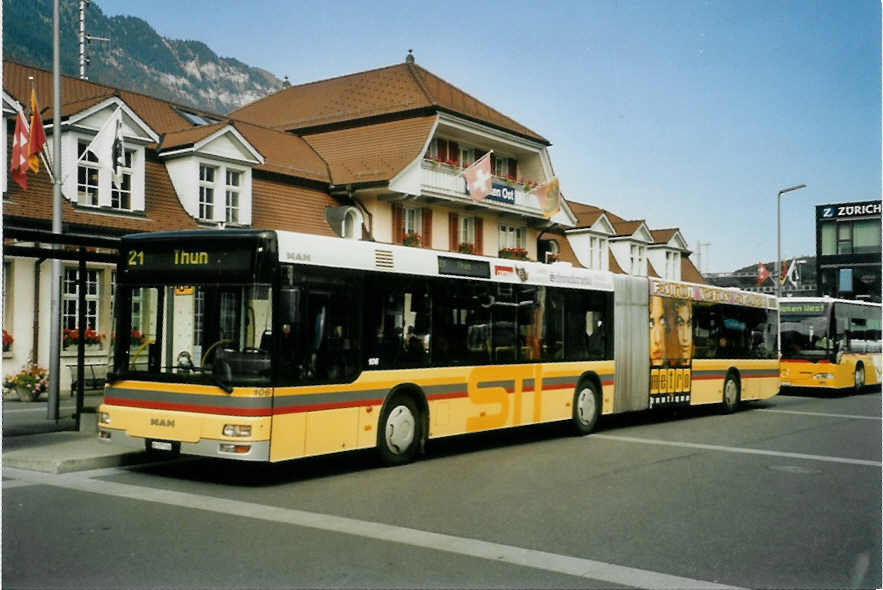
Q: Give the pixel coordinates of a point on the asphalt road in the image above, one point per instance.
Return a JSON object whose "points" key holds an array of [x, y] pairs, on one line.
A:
{"points": [[786, 493]]}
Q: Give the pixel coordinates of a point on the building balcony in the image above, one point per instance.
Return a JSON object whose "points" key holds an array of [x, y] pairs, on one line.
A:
{"points": [[439, 179]]}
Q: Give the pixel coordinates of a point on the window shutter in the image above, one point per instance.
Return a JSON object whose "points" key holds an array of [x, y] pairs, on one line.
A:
{"points": [[493, 164], [513, 168], [453, 231], [427, 227], [443, 150], [397, 224], [479, 236], [454, 152]]}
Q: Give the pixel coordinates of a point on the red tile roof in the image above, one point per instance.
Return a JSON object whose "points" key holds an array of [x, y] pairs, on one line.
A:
{"points": [[401, 90], [372, 152], [690, 273]]}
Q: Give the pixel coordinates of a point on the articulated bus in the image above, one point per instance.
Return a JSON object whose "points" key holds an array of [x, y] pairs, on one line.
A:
{"points": [[268, 346], [830, 343]]}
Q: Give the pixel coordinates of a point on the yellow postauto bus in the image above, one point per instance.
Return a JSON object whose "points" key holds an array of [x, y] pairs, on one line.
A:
{"points": [[267, 345], [830, 344]]}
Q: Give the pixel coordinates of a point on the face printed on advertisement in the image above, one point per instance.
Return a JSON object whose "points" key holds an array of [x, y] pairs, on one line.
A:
{"points": [[658, 331], [684, 330]]}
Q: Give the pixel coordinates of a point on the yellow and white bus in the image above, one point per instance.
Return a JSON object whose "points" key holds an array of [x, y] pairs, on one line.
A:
{"points": [[830, 343], [267, 346]]}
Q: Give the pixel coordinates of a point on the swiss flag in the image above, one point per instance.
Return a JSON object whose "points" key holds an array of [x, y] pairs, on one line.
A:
{"points": [[762, 273], [549, 197], [478, 178], [18, 163]]}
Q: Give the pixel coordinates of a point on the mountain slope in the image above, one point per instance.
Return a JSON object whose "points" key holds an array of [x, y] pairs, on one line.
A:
{"points": [[136, 58]]}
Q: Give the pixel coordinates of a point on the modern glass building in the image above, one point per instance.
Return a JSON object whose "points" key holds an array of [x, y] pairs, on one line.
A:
{"points": [[848, 260]]}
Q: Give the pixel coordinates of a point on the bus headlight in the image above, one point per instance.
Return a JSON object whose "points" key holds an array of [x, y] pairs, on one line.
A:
{"points": [[240, 430], [822, 376], [104, 417]]}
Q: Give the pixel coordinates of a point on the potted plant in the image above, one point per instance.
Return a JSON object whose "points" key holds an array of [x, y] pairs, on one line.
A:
{"points": [[466, 248], [29, 383], [90, 337], [136, 338], [7, 341], [515, 253], [411, 239]]}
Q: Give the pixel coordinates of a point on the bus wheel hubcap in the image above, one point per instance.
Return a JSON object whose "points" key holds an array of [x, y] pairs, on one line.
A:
{"points": [[730, 392], [585, 405], [399, 429]]}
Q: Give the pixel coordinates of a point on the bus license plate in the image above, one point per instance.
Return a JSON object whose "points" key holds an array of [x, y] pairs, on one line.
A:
{"points": [[160, 445]]}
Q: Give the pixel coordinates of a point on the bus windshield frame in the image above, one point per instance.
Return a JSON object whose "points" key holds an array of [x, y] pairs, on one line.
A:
{"points": [[806, 331], [180, 318]]}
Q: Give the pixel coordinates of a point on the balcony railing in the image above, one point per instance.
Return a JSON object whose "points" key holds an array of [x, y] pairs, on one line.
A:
{"points": [[439, 177]]}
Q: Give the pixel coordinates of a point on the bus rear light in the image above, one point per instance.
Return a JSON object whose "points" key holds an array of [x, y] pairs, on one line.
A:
{"points": [[103, 434], [237, 449], [237, 430]]}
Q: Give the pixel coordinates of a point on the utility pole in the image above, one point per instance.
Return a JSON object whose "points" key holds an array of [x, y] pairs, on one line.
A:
{"points": [[84, 38]]}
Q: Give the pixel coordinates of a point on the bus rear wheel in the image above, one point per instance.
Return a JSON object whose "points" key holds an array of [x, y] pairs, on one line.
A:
{"points": [[732, 394], [398, 437], [859, 377], [586, 407]]}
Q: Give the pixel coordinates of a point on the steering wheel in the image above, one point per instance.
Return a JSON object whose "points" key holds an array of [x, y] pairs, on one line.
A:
{"points": [[211, 348]]}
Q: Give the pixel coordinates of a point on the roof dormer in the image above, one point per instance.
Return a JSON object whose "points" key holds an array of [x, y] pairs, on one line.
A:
{"points": [[211, 169]]}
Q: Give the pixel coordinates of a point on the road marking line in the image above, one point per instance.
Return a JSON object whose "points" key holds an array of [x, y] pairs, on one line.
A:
{"points": [[499, 553], [849, 416], [744, 450]]}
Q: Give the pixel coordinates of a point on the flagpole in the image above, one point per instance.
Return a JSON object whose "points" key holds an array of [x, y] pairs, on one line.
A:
{"points": [[55, 302]]}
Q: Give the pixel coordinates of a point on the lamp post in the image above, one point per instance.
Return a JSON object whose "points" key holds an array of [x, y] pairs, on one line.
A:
{"points": [[779, 236], [779, 255]]}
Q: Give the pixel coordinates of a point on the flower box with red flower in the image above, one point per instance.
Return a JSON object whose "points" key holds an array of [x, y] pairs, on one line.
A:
{"points": [[513, 253], [7, 341], [466, 248], [412, 239], [91, 338]]}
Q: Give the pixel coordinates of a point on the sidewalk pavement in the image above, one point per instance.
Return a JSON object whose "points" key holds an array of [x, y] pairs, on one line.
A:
{"points": [[36, 444]]}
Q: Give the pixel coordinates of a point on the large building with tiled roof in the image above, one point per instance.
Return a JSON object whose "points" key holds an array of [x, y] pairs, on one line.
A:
{"points": [[374, 155]]}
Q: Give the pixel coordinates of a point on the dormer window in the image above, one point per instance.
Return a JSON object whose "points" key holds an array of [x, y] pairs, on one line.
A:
{"points": [[597, 252], [206, 192], [121, 197], [636, 260], [232, 205], [87, 176], [672, 265]]}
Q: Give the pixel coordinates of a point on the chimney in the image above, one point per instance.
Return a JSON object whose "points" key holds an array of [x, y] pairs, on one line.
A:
{"points": [[409, 59]]}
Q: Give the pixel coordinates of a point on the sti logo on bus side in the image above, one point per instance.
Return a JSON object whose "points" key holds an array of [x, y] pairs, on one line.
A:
{"points": [[162, 422]]}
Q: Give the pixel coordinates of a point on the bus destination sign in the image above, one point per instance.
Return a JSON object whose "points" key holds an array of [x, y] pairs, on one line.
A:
{"points": [[803, 308], [464, 268], [203, 262]]}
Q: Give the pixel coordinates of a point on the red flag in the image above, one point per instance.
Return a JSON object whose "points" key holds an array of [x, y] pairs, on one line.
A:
{"points": [[549, 197], [478, 178], [18, 163], [37, 138], [762, 273]]}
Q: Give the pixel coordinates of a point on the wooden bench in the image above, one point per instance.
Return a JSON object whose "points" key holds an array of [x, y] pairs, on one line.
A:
{"points": [[95, 375]]}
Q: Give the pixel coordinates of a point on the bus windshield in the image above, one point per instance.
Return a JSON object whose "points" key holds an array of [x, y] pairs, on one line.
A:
{"points": [[196, 333], [806, 337]]}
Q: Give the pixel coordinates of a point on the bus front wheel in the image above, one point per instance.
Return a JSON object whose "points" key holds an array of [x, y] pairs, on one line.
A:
{"points": [[586, 407], [731, 394], [859, 377], [399, 434]]}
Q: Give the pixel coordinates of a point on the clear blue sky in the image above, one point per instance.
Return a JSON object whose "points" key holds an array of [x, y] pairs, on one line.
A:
{"points": [[685, 113]]}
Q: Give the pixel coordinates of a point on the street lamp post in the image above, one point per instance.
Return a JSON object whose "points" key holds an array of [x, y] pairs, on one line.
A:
{"points": [[779, 236], [779, 254]]}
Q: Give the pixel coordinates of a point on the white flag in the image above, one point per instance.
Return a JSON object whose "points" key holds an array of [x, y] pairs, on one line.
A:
{"points": [[107, 146]]}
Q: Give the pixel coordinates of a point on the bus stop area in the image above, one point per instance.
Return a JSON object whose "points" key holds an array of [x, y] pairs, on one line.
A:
{"points": [[34, 442]]}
